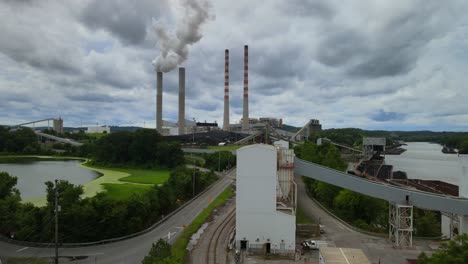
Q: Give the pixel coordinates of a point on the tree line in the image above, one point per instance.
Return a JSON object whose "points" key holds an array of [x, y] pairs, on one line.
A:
{"points": [[21, 141], [360, 210], [144, 147], [217, 161], [353, 137], [95, 218]]}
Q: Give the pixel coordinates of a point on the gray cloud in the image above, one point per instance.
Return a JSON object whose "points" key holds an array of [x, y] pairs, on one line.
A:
{"points": [[341, 46], [28, 41], [391, 50], [314, 8], [97, 97], [125, 19], [349, 64]]}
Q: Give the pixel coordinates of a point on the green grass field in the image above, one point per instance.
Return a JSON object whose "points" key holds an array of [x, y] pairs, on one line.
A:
{"points": [[124, 191], [146, 176], [301, 218], [225, 148]]}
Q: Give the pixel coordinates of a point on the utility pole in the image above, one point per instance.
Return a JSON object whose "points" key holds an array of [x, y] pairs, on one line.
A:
{"points": [[56, 222], [191, 155], [219, 161]]}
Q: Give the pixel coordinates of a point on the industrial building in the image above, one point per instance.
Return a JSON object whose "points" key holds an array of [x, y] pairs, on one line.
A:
{"points": [[452, 224], [58, 125], [312, 127], [266, 199], [245, 126], [98, 129]]}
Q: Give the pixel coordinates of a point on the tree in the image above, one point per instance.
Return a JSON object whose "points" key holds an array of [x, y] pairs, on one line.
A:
{"points": [[426, 223], [451, 252], [9, 203], [7, 185], [69, 194], [158, 253]]}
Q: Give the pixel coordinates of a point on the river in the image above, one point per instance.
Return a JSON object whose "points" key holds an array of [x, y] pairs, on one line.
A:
{"points": [[33, 173], [423, 160]]}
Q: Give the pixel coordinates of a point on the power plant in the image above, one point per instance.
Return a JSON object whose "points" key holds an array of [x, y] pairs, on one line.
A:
{"points": [[181, 124]]}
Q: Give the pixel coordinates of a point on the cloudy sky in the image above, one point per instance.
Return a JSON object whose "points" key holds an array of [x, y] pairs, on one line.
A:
{"points": [[372, 64]]}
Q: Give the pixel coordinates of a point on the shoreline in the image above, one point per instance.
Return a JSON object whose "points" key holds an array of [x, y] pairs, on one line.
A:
{"points": [[90, 189]]}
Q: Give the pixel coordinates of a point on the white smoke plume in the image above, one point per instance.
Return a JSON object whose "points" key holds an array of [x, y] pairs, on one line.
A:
{"points": [[174, 47]]}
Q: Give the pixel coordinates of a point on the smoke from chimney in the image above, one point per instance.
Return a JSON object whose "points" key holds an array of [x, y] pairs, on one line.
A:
{"points": [[174, 49]]}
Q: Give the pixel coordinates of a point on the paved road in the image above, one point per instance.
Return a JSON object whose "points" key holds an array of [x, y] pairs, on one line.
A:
{"points": [[132, 250], [337, 233]]}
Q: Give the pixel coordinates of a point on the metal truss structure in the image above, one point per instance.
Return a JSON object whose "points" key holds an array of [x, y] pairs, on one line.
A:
{"points": [[401, 225]]}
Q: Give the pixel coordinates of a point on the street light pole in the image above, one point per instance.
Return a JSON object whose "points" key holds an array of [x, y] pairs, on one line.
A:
{"points": [[191, 155], [56, 222]]}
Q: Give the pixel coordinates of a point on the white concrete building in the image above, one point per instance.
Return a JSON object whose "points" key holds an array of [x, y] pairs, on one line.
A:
{"points": [[452, 225], [265, 200], [98, 129]]}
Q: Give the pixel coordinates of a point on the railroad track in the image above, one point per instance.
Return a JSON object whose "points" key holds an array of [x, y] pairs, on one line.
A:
{"points": [[211, 253]]}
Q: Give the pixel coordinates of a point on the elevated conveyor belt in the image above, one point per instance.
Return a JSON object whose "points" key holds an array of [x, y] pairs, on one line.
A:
{"points": [[32, 122], [59, 139], [425, 200]]}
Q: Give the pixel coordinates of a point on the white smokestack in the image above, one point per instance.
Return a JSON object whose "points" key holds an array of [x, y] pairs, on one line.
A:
{"points": [[174, 49], [181, 101], [159, 87]]}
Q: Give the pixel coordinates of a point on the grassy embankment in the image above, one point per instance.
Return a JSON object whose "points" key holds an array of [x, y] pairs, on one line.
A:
{"points": [[120, 183], [301, 218], [178, 248]]}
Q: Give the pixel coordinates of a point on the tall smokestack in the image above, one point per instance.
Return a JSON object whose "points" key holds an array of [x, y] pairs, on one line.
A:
{"points": [[181, 101], [245, 117], [159, 87], [226, 91]]}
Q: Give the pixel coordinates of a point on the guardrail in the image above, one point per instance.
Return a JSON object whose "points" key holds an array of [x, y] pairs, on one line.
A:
{"points": [[112, 240]]}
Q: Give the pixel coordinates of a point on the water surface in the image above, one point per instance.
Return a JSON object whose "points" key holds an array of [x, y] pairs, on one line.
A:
{"points": [[33, 173], [423, 160]]}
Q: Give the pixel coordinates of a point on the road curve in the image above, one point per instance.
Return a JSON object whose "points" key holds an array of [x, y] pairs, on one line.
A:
{"points": [[132, 250], [377, 249]]}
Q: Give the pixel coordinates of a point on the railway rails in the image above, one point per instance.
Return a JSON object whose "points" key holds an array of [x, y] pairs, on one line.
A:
{"points": [[216, 246]]}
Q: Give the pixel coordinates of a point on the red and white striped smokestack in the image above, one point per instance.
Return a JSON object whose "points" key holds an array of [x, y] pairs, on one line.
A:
{"points": [[245, 117], [226, 91]]}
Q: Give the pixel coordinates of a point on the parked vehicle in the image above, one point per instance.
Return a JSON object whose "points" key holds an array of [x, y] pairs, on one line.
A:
{"points": [[313, 244]]}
